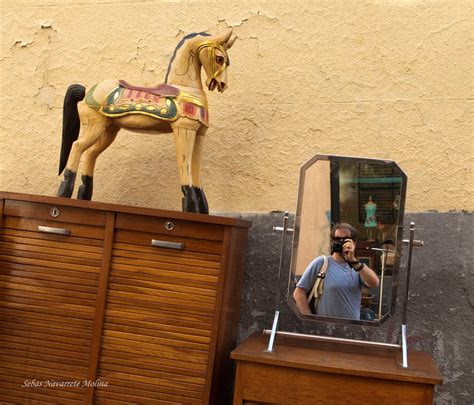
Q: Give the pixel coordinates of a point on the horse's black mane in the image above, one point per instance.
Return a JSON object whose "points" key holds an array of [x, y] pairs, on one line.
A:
{"points": [[180, 44]]}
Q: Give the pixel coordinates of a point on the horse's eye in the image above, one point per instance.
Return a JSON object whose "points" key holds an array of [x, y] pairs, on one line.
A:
{"points": [[220, 60]]}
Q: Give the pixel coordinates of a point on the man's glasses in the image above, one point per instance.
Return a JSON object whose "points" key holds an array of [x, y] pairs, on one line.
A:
{"points": [[342, 239]]}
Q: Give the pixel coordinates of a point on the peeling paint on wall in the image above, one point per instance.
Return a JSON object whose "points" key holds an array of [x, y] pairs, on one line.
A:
{"points": [[378, 79]]}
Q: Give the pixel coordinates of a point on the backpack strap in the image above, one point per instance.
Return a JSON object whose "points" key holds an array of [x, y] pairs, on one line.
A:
{"points": [[317, 289]]}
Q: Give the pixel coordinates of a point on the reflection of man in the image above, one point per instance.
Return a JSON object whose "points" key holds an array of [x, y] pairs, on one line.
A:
{"points": [[345, 277]]}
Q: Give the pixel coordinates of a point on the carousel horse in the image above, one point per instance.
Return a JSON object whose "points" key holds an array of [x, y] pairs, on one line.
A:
{"points": [[177, 106]]}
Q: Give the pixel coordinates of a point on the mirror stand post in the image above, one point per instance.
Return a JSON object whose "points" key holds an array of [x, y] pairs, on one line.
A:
{"points": [[404, 346], [411, 243], [271, 341], [285, 231], [382, 276]]}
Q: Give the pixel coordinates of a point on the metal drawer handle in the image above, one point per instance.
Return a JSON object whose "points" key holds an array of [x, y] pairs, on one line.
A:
{"points": [[57, 231], [168, 245]]}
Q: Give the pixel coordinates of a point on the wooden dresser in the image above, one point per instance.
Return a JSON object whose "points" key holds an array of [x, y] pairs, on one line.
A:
{"points": [[309, 372], [108, 304]]}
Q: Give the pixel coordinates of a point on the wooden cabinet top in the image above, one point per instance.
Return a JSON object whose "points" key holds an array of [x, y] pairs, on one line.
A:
{"points": [[339, 358], [99, 206]]}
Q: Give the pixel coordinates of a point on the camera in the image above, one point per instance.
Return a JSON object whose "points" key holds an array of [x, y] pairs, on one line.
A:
{"points": [[337, 244]]}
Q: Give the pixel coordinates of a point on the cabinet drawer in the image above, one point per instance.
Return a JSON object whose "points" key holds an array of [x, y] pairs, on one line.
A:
{"points": [[170, 226], [58, 213], [45, 229], [170, 244]]}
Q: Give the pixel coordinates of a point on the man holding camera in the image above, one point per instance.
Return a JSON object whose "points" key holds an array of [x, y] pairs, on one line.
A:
{"points": [[344, 278]]}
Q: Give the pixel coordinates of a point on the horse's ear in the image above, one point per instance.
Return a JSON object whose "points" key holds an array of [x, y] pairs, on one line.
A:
{"points": [[221, 38], [231, 41]]}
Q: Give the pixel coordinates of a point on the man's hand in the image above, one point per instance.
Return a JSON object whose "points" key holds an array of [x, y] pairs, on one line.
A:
{"points": [[348, 249]]}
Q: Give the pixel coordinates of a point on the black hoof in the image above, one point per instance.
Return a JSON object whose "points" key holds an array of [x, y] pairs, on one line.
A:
{"points": [[194, 200], [67, 185], [85, 190], [202, 201], [190, 200]]}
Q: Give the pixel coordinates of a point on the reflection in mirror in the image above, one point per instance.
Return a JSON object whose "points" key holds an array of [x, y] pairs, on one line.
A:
{"points": [[368, 194]]}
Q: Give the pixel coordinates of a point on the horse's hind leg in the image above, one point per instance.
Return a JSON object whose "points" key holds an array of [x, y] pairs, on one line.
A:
{"points": [[91, 154], [90, 133]]}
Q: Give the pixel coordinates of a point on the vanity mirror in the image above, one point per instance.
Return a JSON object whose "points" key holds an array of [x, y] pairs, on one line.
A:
{"points": [[369, 194]]}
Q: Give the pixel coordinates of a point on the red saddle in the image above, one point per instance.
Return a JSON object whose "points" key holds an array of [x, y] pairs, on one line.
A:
{"points": [[162, 90]]}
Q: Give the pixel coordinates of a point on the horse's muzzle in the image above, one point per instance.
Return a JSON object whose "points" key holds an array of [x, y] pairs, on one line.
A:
{"points": [[214, 83]]}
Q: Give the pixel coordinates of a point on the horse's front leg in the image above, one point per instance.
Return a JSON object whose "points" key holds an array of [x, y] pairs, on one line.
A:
{"points": [[197, 153], [184, 134]]}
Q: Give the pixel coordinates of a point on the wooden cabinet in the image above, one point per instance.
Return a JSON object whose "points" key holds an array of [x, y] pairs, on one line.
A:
{"points": [[108, 304], [308, 372]]}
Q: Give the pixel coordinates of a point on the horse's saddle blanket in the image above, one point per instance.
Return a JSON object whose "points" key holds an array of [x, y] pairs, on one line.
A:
{"points": [[163, 102], [162, 90]]}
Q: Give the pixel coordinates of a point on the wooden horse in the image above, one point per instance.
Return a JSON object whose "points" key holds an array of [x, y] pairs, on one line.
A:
{"points": [[179, 106]]}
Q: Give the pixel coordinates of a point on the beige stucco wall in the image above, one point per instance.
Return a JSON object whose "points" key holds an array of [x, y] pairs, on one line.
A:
{"points": [[390, 79]]}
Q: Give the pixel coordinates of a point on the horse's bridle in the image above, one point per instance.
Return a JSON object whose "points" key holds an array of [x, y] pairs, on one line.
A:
{"points": [[211, 51]]}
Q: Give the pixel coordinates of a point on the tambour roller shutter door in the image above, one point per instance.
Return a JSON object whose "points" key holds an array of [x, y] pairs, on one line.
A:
{"points": [[108, 304], [48, 292]]}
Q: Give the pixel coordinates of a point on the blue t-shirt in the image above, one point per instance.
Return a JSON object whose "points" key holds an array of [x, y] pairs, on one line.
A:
{"points": [[342, 289]]}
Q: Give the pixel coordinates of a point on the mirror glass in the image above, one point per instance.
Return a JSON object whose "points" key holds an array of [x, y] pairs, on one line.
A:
{"points": [[368, 194]]}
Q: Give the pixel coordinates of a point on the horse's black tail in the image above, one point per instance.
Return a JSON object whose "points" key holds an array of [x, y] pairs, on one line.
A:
{"points": [[71, 122]]}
